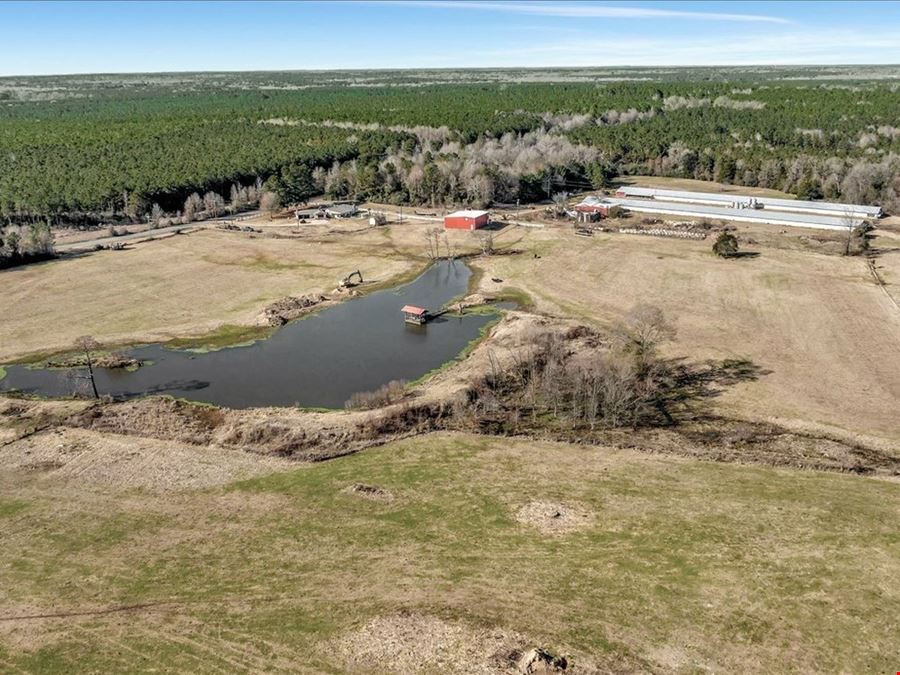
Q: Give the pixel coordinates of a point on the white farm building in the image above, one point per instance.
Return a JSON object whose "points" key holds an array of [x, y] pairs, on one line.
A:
{"points": [[787, 212]]}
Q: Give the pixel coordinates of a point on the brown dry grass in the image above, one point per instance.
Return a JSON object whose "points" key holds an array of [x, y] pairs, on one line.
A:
{"points": [[826, 332], [177, 286], [102, 461]]}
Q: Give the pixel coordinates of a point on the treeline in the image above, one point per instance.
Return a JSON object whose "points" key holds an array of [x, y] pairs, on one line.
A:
{"points": [[528, 167], [116, 150]]}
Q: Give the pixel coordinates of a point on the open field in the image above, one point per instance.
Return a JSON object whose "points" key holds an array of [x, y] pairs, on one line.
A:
{"points": [[570, 479], [184, 285], [887, 263], [672, 566], [818, 325], [822, 329]]}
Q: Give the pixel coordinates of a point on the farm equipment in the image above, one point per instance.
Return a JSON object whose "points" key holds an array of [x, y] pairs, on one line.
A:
{"points": [[347, 281]]}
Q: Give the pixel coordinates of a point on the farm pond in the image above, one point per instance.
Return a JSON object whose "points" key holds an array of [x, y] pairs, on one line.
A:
{"points": [[317, 361]]}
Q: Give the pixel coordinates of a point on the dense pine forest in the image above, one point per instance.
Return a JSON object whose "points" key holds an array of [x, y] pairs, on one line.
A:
{"points": [[170, 147]]}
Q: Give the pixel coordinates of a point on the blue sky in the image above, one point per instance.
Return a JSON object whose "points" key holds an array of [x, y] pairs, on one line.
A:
{"points": [[90, 37]]}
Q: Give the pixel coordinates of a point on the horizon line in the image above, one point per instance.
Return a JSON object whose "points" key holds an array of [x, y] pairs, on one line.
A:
{"points": [[456, 68]]}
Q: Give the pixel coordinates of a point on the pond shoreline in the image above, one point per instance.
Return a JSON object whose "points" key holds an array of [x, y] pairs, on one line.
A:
{"points": [[351, 347]]}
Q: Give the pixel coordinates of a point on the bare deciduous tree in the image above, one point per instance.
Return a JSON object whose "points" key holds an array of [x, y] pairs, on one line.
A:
{"points": [[433, 238], [643, 329], [89, 346], [849, 223], [560, 203], [156, 215], [213, 204], [485, 241], [270, 203], [192, 206]]}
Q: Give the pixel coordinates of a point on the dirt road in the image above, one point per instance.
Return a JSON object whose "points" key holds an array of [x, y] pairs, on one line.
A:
{"points": [[106, 240]]}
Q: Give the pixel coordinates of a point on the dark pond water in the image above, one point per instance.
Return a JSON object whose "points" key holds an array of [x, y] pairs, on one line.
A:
{"points": [[321, 360]]}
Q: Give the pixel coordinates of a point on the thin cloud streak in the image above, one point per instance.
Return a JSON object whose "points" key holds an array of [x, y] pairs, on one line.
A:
{"points": [[591, 50], [586, 11]]}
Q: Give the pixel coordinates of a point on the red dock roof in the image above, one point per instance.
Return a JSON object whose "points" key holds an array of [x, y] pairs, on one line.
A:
{"points": [[412, 309]]}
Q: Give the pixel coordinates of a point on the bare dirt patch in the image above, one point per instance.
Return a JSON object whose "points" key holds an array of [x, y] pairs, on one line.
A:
{"points": [[371, 492], [162, 418], [416, 643], [88, 458], [287, 309], [22, 417], [554, 518]]}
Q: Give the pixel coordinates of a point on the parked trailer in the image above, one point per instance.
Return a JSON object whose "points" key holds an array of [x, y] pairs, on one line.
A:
{"points": [[745, 201], [682, 210]]}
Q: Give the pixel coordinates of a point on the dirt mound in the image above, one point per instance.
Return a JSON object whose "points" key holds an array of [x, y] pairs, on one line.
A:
{"points": [[290, 308], [554, 518], [22, 417], [537, 660], [163, 418], [372, 492], [416, 643], [267, 437], [473, 300]]}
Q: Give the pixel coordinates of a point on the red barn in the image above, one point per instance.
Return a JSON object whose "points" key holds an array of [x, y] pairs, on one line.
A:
{"points": [[465, 220]]}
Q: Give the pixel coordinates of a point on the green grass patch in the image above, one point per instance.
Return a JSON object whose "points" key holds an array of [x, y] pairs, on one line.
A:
{"points": [[474, 278], [2, 372], [395, 281], [228, 335], [516, 295], [270, 264], [10, 507], [751, 558]]}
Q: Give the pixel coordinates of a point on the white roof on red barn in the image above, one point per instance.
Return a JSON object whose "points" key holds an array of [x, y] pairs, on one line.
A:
{"points": [[467, 213]]}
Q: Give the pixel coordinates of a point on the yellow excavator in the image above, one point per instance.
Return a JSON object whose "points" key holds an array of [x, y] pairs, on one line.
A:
{"points": [[347, 281]]}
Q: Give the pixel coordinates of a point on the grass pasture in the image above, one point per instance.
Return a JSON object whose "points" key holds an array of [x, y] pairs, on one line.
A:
{"points": [[818, 324], [178, 286], [683, 565]]}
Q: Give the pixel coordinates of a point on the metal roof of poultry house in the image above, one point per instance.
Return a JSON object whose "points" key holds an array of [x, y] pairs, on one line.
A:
{"points": [[764, 203], [342, 209], [681, 209]]}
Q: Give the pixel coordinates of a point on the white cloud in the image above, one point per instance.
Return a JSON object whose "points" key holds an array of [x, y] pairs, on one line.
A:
{"points": [[589, 48], [587, 11]]}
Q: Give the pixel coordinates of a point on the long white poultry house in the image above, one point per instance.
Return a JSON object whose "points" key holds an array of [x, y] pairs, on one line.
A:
{"points": [[749, 215], [737, 201]]}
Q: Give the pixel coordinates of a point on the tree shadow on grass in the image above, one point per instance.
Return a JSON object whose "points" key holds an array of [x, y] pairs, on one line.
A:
{"points": [[690, 384]]}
